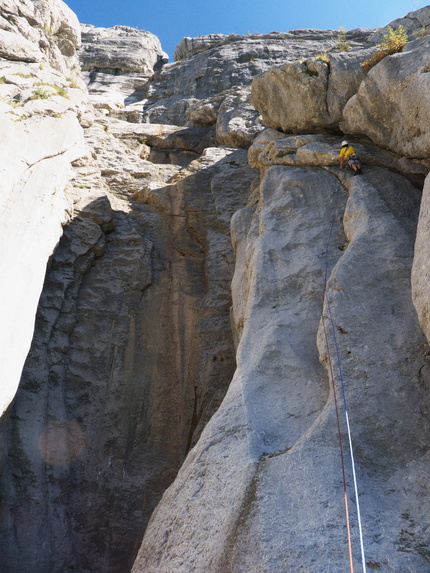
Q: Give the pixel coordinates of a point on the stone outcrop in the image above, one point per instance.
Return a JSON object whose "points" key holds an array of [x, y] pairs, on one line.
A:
{"points": [[41, 99], [117, 61], [388, 104], [391, 105], [421, 270], [208, 84], [273, 147], [309, 95], [173, 361], [264, 476]]}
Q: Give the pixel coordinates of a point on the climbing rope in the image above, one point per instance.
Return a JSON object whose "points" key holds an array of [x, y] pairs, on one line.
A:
{"points": [[342, 384]]}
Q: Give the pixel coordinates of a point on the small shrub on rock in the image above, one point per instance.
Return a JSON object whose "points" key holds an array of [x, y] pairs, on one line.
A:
{"points": [[324, 57], [393, 41], [342, 43], [40, 93]]}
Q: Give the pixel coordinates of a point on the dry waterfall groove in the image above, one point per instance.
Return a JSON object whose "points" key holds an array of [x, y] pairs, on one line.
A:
{"points": [[174, 239]]}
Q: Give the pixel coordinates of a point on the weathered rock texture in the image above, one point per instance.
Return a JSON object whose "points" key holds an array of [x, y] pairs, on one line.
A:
{"points": [[392, 105], [149, 287], [40, 103], [207, 84], [117, 61], [421, 268], [275, 503], [309, 95], [145, 318]]}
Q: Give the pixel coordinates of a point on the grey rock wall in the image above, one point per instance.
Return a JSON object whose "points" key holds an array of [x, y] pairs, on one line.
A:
{"points": [[41, 101], [391, 105], [171, 361], [117, 61], [262, 490], [200, 88], [132, 351]]}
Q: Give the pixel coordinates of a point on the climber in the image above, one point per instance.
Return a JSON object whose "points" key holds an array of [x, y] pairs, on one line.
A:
{"points": [[347, 153]]}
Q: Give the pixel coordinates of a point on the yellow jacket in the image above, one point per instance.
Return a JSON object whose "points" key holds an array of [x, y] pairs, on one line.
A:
{"points": [[345, 152]]}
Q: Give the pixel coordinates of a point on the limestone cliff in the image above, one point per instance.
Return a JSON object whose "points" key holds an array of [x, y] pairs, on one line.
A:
{"points": [[117, 61], [208, 267], [42, 98]]}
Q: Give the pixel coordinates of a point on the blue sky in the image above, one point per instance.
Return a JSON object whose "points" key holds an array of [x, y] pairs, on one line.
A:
{"points": [[171, 20]]}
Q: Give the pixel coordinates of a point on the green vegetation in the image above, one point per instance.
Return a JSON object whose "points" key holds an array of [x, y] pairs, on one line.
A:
{"points": [[3, 80], [342, 43], [324, 57], [60, 91], [40, 93], [73, 84], [392, 42]]}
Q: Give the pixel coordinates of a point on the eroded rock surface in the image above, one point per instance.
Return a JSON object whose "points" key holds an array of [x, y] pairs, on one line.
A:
{"points": [[391, 106], [421, 269], [138, 334], [207, 86], [117, 61], [143, 271], [309, 95], [40, 103], [277, 507]]}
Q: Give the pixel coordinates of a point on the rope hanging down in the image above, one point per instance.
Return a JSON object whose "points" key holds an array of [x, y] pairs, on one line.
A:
{"points": [[342, 384]]}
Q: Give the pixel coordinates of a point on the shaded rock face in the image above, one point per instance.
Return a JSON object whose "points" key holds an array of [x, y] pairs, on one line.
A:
{"points": [[132, 354], [166, 350], [420, 270], [116, 62], [41, 103]]}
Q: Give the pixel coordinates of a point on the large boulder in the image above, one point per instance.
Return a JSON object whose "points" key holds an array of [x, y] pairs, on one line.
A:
{"points": [[117, 61], [392, 105], [309, 95], [193, 89]]}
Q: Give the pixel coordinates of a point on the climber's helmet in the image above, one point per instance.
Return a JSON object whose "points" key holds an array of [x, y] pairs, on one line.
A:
{"points": [[344, 144]]}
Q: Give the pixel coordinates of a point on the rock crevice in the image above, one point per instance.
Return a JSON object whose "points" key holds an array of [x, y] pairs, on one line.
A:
{"points": [[178, 388]]}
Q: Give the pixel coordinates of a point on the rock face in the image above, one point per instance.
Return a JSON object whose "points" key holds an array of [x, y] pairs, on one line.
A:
{"points": [[117, 61], [40, 106], [309, 95], [149, 286], [278, 418], [388, 104], [171, 360], [420, 270], [208, 82], [401, 79]]}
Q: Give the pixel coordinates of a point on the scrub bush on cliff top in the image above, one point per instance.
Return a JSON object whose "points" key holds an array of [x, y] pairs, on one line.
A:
{"points": [[392, 42]]}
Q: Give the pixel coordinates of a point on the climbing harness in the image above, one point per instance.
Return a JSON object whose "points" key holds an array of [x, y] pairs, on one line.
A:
{"points": [[342, 384]]}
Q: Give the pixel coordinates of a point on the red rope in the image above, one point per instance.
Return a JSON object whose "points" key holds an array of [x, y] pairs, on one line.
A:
{"points": [[345, 494]]}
